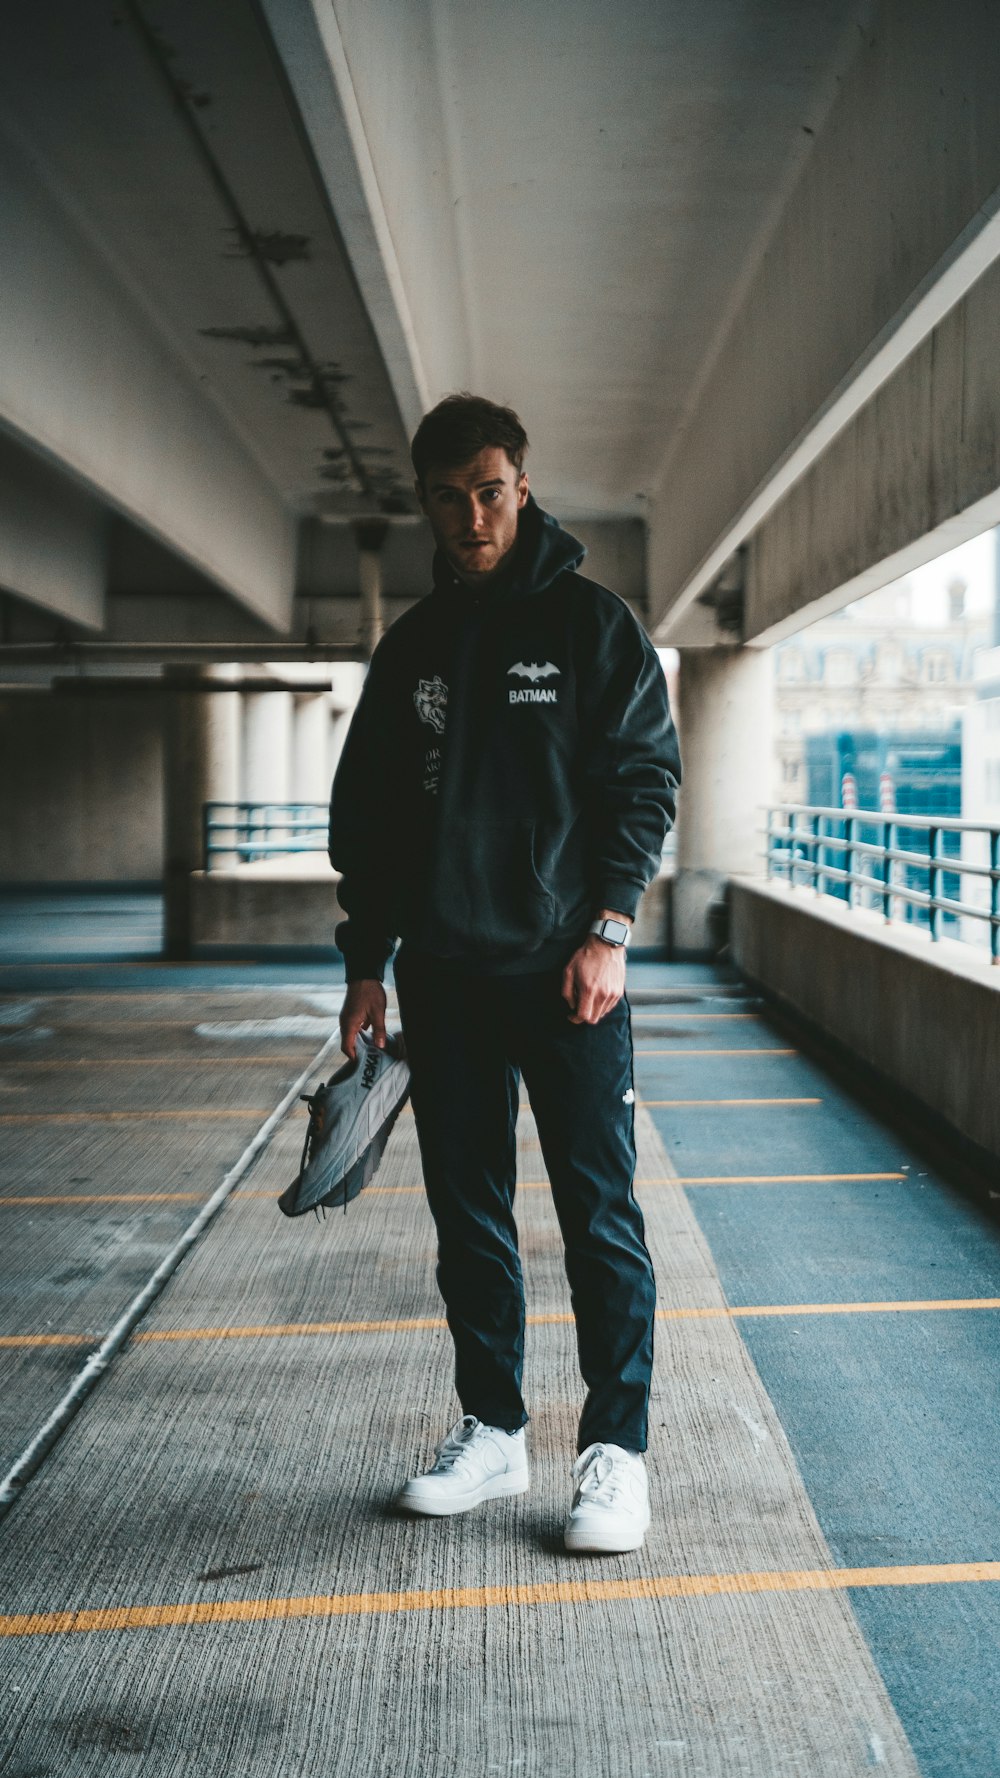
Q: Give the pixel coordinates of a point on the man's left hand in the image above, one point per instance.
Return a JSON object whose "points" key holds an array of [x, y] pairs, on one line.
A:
{"points": [[594, 980]]}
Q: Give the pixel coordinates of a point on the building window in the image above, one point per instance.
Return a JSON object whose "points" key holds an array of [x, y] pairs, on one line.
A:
{"points": [[936, 668], [839, 667], [791, 666]]}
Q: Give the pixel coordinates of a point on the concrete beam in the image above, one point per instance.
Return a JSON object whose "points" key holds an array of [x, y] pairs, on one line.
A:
{"points": [[915, 474], [89, 381], [892, 221], [380, 142], [53, 539]]}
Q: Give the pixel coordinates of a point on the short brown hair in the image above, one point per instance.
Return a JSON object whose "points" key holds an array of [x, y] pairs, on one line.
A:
{"points": [[460, 427]]}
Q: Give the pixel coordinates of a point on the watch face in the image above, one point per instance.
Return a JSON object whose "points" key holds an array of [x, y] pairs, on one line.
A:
{"points": [[616, 931]]}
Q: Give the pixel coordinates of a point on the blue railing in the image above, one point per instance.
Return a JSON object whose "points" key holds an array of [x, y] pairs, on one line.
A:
{"points": [[859, 856], [247, 832]]}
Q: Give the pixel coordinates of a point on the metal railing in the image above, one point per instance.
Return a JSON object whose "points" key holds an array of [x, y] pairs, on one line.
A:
{"points": [[246, 832], [865, 864]]}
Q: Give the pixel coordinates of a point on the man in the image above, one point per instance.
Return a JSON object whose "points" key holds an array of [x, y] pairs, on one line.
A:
{"points": [[500, 805]]}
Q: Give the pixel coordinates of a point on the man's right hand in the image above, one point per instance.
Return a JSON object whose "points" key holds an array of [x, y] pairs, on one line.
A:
{"points": [[364, 1006]]}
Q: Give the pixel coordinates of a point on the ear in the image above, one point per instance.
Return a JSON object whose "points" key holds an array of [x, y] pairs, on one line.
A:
{"points": [[522, 489], [418, 489]]}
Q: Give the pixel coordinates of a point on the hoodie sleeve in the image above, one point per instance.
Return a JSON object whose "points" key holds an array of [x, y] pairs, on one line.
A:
{"points": [[632, 770], [360, 822]]}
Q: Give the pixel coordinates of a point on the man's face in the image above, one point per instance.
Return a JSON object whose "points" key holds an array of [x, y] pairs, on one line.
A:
{"points": [[473, 512]]}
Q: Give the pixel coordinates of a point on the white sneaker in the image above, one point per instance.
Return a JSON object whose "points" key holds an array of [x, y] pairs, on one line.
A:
{"points": [[474, 1463], [610, 1511]]}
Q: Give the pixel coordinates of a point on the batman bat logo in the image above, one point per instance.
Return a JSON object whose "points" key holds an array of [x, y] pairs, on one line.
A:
{"points": [[531, 670]]}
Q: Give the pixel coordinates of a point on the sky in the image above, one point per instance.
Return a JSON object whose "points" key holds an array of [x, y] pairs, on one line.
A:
{"points": [[972, 562]]}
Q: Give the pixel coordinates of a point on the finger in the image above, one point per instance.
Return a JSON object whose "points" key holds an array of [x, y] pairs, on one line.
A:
{"points": [[349, 1035], [378, 1027], [586, 1007]]}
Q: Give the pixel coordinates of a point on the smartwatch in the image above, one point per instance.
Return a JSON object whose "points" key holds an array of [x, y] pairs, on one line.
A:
{"points": [[613, 932]]}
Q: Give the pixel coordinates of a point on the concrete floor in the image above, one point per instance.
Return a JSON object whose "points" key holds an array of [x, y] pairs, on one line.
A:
{"points": [[206, 1573]]}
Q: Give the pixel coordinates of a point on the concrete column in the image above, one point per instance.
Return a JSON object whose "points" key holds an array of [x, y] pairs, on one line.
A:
{"points": [[338, 735], [725, 724], [267, 746], [224, 724], [371, 535], [312, 721], [201, 764]]}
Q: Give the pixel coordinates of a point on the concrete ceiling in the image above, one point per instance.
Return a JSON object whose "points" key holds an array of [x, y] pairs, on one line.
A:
{"points": [[574, 195], [250, 242], [166, 132]]}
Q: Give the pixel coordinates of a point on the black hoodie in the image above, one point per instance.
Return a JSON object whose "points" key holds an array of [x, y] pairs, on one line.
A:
{"points": [[510, 770]]}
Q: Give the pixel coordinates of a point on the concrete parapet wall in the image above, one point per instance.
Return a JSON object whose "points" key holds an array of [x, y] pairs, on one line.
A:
{"points": [[924, 1017], [287, 905], [292, 904]]}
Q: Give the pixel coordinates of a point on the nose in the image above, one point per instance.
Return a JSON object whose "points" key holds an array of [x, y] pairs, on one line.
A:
{"points": [[476, 516]]}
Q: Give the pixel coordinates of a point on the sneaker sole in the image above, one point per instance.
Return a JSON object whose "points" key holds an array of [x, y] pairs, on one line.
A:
{"points": [[593, 1543], [409, 1500]]}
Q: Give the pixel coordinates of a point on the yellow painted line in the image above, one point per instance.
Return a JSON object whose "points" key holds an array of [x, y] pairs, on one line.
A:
{"points": [[680, 1015], [291, 992], [52, 1200], [284, 1330], [102, 1117], [194, 1059], [641, 1049], [885, 1308], [655, 1102], [773, 1178], [712, 1312], [566, 1592], [77, 1117], [205, 1016], [108, 1198]]}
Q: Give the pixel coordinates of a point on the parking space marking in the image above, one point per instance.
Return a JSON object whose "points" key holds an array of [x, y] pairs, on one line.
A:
{"points": [[538, 1593], [712, 1312]]}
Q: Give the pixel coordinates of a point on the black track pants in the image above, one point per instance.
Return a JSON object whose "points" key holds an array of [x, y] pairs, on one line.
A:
{"points": [[468, 1037]]}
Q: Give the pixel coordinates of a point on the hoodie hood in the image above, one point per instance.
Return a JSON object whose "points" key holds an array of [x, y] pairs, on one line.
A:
{"points": [[542, 552]]}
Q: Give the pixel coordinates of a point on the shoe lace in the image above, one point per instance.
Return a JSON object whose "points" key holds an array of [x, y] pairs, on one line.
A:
{"points": [[316, 1104], [601, 1482], [456, 1444]]}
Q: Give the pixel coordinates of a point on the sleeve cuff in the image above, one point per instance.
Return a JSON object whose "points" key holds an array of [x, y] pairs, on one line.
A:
{"points": [[364, 959], [620, 893]]}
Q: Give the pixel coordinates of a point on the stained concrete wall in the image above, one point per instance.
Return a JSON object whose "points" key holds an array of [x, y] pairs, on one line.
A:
{"points": [[81, 789], [925, 1017]]}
